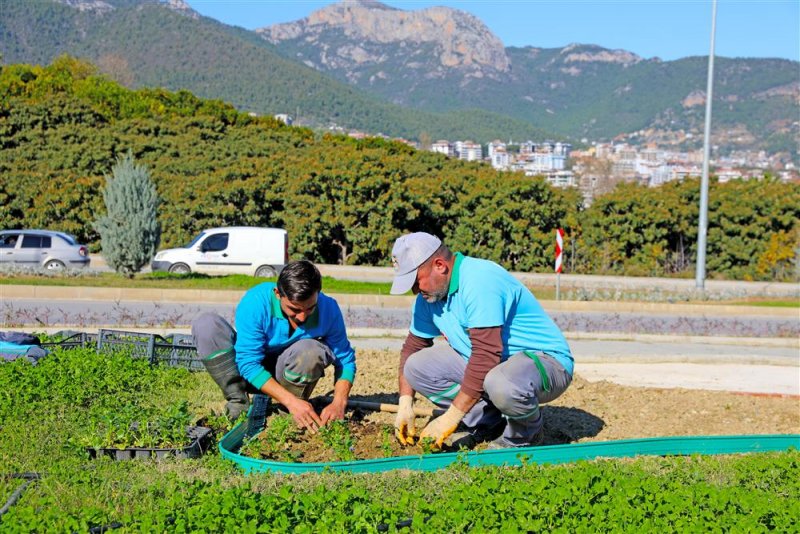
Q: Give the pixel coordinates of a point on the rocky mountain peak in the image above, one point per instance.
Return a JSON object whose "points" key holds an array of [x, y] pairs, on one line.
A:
{"points": [[97, 6], [101, 6], [460, 40], [577, 53]]}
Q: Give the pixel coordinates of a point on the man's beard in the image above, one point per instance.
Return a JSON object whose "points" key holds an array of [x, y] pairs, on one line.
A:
{"points": [[435, 296]]}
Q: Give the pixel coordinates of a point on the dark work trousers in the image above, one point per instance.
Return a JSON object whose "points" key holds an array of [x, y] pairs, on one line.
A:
{"points": [[512, 390], [297, 368]]}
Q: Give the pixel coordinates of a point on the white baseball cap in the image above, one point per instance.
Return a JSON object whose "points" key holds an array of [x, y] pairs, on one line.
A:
{"points": [[409, 252]]}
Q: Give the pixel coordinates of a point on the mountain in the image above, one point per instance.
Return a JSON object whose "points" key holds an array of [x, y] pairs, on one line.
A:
{"points": [[445, 59], [430, 73], [167, 44], [357, 36]]}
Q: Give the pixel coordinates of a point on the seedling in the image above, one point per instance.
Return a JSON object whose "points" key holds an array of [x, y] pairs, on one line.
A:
{"points": [[337, 436], [273, 442], [386, 441], [428, 445]]}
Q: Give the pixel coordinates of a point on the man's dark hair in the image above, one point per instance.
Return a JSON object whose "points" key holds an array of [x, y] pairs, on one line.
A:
{"points": [[443, 252], [299, 280]]}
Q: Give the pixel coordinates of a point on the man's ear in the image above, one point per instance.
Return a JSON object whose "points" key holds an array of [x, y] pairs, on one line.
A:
{"points": [[277, 293], [440, 265]]}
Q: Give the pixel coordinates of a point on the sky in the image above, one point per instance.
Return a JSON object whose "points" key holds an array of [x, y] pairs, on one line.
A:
{"points": [[668, 29]]}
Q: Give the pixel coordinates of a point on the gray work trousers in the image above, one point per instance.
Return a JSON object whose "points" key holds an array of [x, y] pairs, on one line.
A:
{"points": [[513, 390], [297, 368]]}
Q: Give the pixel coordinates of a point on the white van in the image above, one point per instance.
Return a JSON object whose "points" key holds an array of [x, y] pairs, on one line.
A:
{"points": [[249, 250]]}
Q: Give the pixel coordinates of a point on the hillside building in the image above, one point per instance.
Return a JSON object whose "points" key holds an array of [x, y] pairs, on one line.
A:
{"points": [[443, 147], [285, 118], [501, 160], [468, 151]]}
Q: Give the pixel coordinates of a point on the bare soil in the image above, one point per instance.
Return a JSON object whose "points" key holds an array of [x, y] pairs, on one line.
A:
{"points": [[588, 411]]}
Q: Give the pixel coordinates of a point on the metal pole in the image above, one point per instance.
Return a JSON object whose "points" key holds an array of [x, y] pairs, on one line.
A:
{"points": [[558, 286], [702, 227]]}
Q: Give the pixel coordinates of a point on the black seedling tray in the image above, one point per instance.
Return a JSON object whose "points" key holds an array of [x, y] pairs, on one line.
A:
{"points": [[176, 351], [201, 442]]}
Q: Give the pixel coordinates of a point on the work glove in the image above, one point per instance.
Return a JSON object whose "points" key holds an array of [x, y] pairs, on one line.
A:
{"points": [[404, 427], [440, 428]]}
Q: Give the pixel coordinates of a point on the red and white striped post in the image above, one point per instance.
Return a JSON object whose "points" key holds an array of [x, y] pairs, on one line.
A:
{"points": [[559, 262]]}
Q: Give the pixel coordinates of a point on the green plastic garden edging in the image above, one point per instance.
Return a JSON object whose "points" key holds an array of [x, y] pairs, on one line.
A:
{"points": [[550, 454]]}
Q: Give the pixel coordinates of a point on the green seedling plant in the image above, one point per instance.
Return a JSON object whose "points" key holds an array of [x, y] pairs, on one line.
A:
{"points": [[221, 423], [428, 445], [274, 441], [170, 426], [337, 436], [140, 427], [387, 437]]}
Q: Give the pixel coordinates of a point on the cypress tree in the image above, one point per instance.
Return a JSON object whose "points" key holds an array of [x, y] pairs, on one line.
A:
{"points": [[129, 232]]}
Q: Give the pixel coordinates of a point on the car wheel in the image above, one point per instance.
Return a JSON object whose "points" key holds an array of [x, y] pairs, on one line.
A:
{"points": [[180, 268], [54, 265], [265, 271]]}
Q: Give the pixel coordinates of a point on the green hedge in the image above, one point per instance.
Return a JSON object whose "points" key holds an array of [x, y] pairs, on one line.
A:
{"points": [[343, 200]]}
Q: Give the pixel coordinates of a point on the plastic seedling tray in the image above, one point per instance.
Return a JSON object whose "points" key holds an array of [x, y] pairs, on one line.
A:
{"points": [[201, 442], [177, 350]]}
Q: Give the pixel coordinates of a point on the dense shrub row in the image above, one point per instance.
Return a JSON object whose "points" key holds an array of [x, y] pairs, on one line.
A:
{"points": [[346, 200]]}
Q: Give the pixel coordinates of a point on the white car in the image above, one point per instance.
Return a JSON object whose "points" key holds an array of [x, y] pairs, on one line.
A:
{"points": [[42, 248], [255, 251]]}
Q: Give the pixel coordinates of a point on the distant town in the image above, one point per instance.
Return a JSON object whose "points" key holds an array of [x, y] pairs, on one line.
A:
{"points": [[598, 168]]}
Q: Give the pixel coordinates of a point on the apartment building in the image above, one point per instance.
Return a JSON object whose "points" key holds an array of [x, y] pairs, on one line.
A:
{"points": [[468, 151], [443, 147]]}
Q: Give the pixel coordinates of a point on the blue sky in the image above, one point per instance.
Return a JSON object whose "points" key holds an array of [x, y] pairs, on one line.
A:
{"points": [[666, 29]]}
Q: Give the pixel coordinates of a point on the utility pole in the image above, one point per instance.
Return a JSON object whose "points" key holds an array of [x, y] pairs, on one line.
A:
{"points": [[702, 227]]}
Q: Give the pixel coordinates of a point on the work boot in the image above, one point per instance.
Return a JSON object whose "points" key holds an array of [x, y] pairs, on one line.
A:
{"points": [[222, 368], [525, 433], [468, 437], [505, 443]]}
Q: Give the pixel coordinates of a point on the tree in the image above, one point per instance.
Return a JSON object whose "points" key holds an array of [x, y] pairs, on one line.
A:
{"points": [[129, 232]]}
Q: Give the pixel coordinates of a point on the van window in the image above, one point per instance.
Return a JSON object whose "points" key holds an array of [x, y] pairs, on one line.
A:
{"points": [[194, 241], [215, 243], [36, 241]]}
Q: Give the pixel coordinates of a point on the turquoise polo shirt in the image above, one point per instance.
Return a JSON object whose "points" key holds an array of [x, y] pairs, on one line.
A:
{"points": [[262, 331], [482, 295]]}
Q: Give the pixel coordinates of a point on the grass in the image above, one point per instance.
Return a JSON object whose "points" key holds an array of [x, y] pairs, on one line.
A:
{"points": [[767, 303], [189, 281]]}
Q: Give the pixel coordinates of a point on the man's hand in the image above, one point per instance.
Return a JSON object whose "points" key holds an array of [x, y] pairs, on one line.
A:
{"points": [[304, 414], [404, 427], [334, 411], [442, 426]]}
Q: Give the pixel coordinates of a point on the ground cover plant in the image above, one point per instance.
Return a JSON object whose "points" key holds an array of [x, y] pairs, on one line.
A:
{"points": [[45, 408]]}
